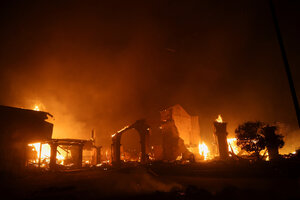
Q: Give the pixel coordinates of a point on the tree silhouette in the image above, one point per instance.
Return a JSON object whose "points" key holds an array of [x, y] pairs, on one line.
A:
{"points": [[273, 140], [254, 137], [249, 137]]}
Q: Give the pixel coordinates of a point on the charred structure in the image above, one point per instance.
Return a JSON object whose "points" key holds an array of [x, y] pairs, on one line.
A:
{"points": [[26, 141], [143, 129], [221, 134], [174, 136], [180, 131], [76, 148], [19, 127]]}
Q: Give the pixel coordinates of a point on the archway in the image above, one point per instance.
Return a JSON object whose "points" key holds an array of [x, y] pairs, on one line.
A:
{"points": [[131, 146], [142, 128]]}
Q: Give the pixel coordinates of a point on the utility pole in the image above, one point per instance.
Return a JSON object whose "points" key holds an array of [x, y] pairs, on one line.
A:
{"points": [[286, 63]]}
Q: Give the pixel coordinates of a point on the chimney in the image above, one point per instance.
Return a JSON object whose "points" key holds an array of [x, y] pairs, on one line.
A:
{"points": [[221, 133]]}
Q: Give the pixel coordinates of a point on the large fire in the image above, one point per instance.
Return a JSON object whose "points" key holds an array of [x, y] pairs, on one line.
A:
{"points": [[203, 150], [44, 152], [232, 146]]}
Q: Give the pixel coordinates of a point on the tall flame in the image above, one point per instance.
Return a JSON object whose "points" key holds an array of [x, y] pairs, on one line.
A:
{"points": [[219, 119], [45, 152], [203, 150], [232, 145]]}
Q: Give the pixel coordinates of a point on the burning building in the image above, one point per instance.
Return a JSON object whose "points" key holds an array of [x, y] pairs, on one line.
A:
{"points": [[26, 141], [18, 128], [174, 135]]}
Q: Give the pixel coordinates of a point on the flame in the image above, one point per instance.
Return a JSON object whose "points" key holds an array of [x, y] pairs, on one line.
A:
{"points": [[232, 145], [179, 157], [219, 119], [203, 150], [36, 108], [45, 153], [126, 127], [267, 156]]}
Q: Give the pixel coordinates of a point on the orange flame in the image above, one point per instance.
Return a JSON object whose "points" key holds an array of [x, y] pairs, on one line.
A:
{"points": [[203, 150], [45, 152], [232, 145], [126, 127], [219, 119]]}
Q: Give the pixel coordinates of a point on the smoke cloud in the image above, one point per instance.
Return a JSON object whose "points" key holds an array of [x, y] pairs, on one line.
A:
{"points": [[102, 65]]}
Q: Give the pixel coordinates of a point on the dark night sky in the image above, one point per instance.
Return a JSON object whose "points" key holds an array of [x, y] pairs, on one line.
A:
{"points": [[107, 63]]}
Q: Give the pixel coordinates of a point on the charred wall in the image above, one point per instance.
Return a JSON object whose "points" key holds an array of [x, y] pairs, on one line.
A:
{"points": [[180, 130], [187, 125]]}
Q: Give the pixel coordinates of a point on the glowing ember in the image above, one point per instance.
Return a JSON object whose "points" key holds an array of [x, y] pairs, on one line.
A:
{"points": [[36, 108], [219, 119], [203, 150], [265, 154], [126, 127], [267, 158]]}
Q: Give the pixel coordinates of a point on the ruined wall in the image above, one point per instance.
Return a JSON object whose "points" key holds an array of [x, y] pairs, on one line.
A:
{"points": [[183, 122], [179, 130], [187, 125]]}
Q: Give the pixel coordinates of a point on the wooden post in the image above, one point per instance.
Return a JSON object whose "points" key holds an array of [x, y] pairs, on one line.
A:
{"points": [[116, 150], [221, 133], [53, 156], [80, 150], [40, 155], [143, 147], [98, 156]]}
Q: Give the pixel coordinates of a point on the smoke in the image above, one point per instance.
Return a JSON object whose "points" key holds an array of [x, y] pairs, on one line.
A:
{"points": [[292, 142], [103, 65]]}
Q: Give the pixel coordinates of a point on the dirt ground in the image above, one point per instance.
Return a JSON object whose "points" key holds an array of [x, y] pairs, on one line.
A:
{"points": [[157, 181]]}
